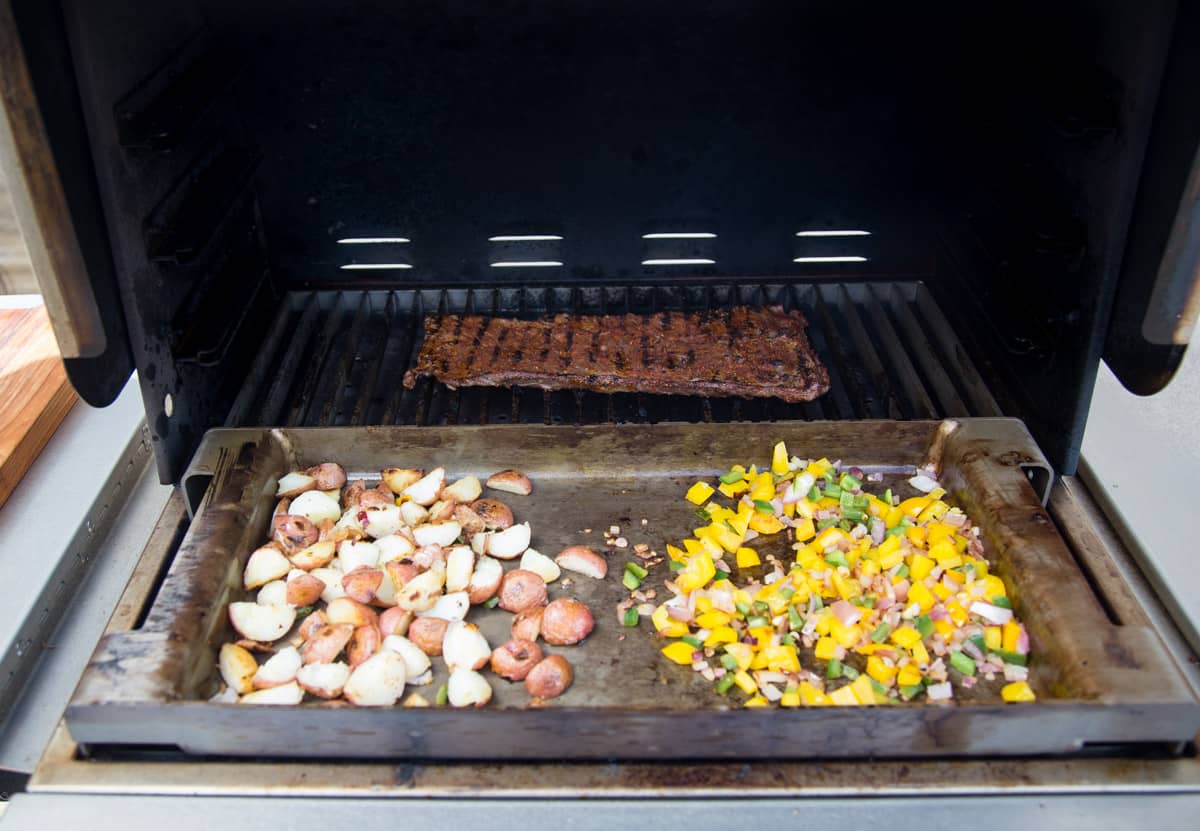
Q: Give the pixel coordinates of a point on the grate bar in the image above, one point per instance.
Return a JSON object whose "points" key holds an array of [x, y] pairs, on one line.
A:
{"points": [[339, 357]]}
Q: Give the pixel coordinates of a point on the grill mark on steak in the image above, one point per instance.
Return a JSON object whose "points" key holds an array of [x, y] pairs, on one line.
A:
{"points": [[752, 352]]}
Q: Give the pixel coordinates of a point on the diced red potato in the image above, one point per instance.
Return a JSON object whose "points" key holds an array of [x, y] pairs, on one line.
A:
{"points": [[272, 594], [280, 668], [237, 667], [327, 475], [303, 589], [348, 610], [354, 554], [362, 583], [281, 507], [479, 542], [510, 481], [465, 646], [395, 621], [442, 510], [437, 533], [540, 564], [316, 507], [465, 490], [514, 660], [417, 700], [416, 661], [425, 490], [317, 555], [264, 565], [421, 592], [290, 693], [583, 560], [377, 681], [363, 644], [352, 493], [427, 555], [471, 522], [348, 527], [509, 543], [460, 562], [379, 497], [452, 606], [380, 520], [264, 624], [323, 680], [295, 483], [467, 688], [521, 590], [397, 479], [527, 625], [401, 572], [254, 646], [413, 514], [326, 644], [293, 532], [311, 624], [332, 578], [495, 514], [428, 633], [566, 621], [549, 678], [394, 547]]}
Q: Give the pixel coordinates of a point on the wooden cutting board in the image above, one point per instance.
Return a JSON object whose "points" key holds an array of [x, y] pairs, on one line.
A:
{"points": [[34, 392]]}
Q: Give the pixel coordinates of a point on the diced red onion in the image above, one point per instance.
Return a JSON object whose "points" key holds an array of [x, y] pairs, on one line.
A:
{"points": [[751, 534], [772, 694], [923, 483], [1012, 672], [777, 505], [770, 677], [846, 613], [878, 530], [971, 649], [938, 613], [939, 692], [995, 615], [884, 603], [901, 590], [874, 477], [858, 531], [1023, 641], [679, 613], [969, 681], [954, 518]]}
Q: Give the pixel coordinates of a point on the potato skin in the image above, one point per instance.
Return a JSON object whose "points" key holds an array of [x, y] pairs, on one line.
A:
{"points": [[293, 532], [515, 659], [527, 625], [428, 633], [494, 513], [550, 678], [328, 475], [566, 621], [521, 590]]}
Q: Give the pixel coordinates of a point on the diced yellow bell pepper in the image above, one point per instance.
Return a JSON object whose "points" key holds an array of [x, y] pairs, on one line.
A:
{"points": [[804, 509], [733, 490], [692, 546], [1017, 691], [993, 638], [917, 593], [711, 619], [844, 697], [880, 671], [789, 510], [847, 587], [870, 568], [741, 652], [944, 627], [826, 502], [943, 551], [919, 567], [1011, 636], [762, 636], [912, 507], [906, 636], [939, 532], [782, 658], [679, 652], [779, 459], [864, 692], [810, 696], [916, 535], [942, 591], [826, 648], [845, 635], [893, 517], [744, 682], [766, 524], [818, 468], [720, 635], [667, 626], [890, 557], [937, 493], [676, 554], [935, 510], [920, 654], [751, 473], [957, 613], [877, 507], [719, 512], [829, 537], [993, 586], [699, 493], [698, 570], [791, 697], [804, 529], [955, 576], [908, 676], [757, 701], [872, 648], [724, 536]]}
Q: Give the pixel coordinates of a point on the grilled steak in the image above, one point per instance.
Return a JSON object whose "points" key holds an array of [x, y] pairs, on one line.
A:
{"points": [[742, 351]]}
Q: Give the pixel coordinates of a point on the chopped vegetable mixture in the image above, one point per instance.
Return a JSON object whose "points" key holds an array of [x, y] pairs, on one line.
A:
{"points": [[893, 598]]}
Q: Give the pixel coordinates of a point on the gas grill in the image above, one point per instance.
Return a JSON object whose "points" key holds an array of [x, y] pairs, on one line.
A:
{"points": [[256, 206]]}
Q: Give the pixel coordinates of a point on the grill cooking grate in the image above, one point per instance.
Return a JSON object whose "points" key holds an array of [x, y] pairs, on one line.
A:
{"points": [[336, 358]]}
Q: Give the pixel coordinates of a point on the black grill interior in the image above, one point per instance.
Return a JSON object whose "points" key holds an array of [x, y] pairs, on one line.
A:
{"points": [[336, 358]]}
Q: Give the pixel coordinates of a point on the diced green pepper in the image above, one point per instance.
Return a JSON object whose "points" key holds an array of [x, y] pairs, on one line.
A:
{"points": [[849, 672], [721, 575], [853, 514], [731, 477], [978, 641], [729, 662], [631, 616], [925, 626], [761, 607], [743, 608], [833, 491], [787, 592], [912, 691], [834, 668], [1002, 601], [754, 621], [962, 663], [887, 497], [848, 482], [630, 580], [636, 570], [704, 515], [1011, 657], [675, 565], [814, 494], [443, 696], [763, 507], [902, 572], [724, 683], [693, 641], [492, 602], [881, 632], [825, 523], [794, 619], [879, 688], [837, 558]]}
